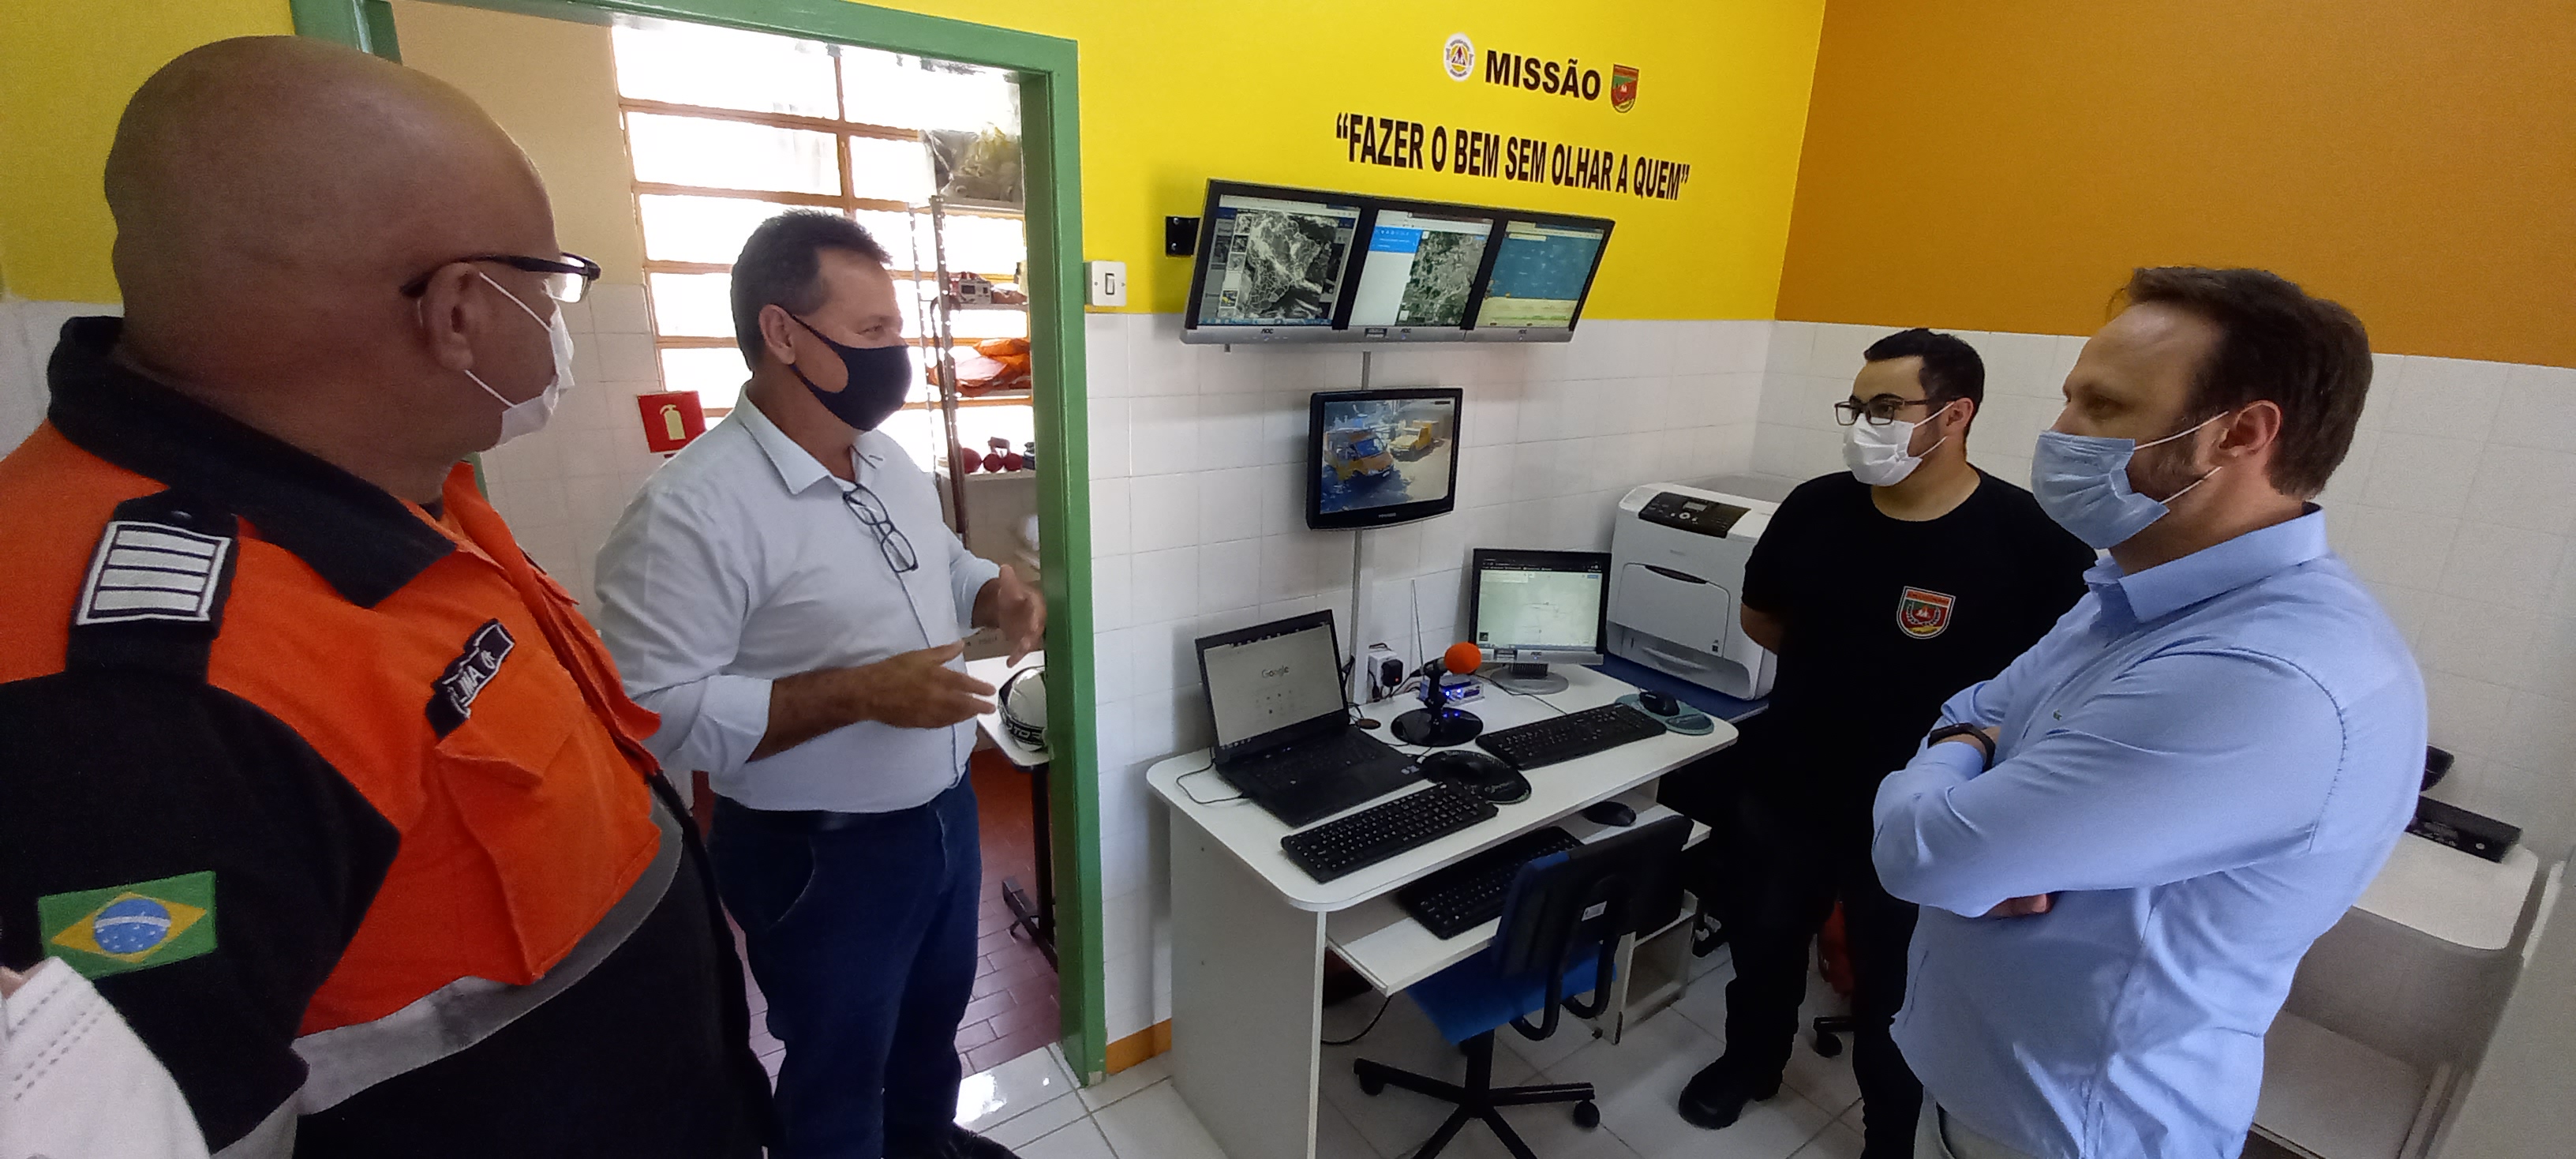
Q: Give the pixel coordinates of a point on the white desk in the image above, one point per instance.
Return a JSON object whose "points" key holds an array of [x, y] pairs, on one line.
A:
{"points": [[1249, 928]]}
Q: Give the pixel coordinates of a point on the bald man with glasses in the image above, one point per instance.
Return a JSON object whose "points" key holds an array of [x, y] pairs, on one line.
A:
{"points": [[327, 788]]}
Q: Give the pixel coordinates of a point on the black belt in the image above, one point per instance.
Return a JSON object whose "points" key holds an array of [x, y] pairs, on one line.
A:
{"points": [[794, 820], [815, 820]]}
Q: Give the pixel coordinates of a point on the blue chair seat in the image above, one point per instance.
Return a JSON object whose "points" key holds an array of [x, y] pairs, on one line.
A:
{"points": [[1471, 998]]}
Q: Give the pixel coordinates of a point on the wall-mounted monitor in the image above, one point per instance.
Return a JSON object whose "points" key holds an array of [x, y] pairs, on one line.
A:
{"points": [[1271, 263], [1375, 457], [1276, 264], [1418, 273], [1541, 272]]}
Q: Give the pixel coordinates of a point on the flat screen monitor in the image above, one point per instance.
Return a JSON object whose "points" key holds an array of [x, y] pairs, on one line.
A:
{"points": [[1271, 263], [1381, 456], [1540, 274], [1533, 608], [1418, 272]]}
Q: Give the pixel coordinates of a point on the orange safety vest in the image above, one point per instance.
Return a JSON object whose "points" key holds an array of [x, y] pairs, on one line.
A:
{"points": [[519, 829]]}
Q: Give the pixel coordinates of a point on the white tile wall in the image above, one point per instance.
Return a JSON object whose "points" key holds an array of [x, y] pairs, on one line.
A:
{"points": [[561, 488], [2456, 505], [1198, 524]]}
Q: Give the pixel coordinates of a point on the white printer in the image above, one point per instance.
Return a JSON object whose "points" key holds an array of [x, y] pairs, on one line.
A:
{"points": [[1677, 559]]}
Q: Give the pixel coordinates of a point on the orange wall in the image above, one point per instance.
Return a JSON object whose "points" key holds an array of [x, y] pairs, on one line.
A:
{"points": [[2001, 164]]}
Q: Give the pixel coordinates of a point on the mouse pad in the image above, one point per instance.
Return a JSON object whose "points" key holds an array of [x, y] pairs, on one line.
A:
{"points": [[1690, 722]]}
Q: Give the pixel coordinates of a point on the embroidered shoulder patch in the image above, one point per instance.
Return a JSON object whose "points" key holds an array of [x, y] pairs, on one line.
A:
{"points": [[152, 571], [451, 698], [131, 927]]}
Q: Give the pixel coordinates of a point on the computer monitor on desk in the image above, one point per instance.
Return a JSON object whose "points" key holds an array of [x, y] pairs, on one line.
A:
{"points": [[1531, 609]]}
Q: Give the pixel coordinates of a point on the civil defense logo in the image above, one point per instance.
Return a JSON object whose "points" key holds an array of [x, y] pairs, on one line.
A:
{"points": [[1459, 56]]}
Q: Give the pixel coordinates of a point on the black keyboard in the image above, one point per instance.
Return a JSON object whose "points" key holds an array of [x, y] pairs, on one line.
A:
{"points": [[1575, 734], [1282, 769], [1470, 893], [1379, 832]]}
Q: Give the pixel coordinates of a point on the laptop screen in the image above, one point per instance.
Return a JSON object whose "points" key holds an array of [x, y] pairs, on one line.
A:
{"points": [[1268, 683]]}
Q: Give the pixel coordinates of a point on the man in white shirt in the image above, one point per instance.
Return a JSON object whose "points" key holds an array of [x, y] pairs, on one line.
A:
{"points": [[785, 593]]}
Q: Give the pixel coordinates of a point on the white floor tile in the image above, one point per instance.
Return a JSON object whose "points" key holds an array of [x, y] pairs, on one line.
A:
{"points": [[1398, 1121], [1572, 1034], [1036, 1122], [1640, 1080], [1127, 1082], [1837, 1142], [1827, 1082], [993, 1097], [1155, 1124], [1336, 1138], [1076, 1140]]}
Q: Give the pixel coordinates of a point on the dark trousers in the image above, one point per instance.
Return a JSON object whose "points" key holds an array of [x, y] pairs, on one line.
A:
{"points": [[1783, 869], [861, 928]]}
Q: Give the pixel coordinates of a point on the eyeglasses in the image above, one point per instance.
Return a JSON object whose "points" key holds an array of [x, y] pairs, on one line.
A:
{"points": [[566, 280], [1879, 411], [871, 512]]}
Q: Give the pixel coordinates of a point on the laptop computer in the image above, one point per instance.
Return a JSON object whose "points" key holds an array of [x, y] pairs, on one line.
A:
{"points": [[1284, 736]]}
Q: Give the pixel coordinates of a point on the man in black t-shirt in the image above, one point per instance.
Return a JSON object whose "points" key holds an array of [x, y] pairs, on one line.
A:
{"points": [[1883, 590]]}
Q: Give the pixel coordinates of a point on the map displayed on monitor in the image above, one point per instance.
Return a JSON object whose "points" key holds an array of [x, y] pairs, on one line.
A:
{"points": [[1275, 262], [1538, 609], [1418, 270], [1385, 452], [1539, 274]]}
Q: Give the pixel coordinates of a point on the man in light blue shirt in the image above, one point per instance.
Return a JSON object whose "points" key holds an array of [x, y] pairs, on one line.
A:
{"points": [[2125, 842], [786, 596]]}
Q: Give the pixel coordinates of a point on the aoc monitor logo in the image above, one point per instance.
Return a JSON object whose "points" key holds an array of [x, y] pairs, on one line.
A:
{"points": [[1458, 56]]}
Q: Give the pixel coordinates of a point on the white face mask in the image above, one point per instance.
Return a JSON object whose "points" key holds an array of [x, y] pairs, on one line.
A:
{"points": [[529, 415], [1878, 457]]}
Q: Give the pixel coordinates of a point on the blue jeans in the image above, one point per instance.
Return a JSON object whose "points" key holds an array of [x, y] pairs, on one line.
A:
{"points": [[861, 928]]}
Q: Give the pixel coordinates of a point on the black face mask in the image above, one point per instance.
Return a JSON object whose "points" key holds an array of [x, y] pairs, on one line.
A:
{"points": [[880, 379]]}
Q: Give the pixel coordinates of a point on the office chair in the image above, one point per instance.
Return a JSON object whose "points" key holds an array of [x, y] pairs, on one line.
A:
{"points": [[1560, 933]]}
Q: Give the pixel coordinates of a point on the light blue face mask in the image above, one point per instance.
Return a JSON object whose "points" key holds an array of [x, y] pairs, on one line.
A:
{"points": [[2082, 482]]}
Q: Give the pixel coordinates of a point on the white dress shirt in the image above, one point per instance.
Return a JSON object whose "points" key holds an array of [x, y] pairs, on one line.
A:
{"points": [[739, 563]]}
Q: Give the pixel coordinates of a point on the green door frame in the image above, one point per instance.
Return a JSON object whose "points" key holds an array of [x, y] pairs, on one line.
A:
{"points": [[1049, 134]]}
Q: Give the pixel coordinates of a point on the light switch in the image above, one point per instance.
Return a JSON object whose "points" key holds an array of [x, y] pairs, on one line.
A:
{"points": [[1108, 283]]}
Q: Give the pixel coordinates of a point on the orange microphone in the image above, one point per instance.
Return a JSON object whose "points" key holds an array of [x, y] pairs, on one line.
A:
{"points": [[1436, 723]]}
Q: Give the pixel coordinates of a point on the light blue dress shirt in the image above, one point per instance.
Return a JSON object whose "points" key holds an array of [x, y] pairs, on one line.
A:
{"points": [[2205, 762], [738, 563]]}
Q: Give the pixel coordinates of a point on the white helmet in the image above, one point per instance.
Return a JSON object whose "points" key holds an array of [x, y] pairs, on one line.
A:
{"points": [[1023, 703]]}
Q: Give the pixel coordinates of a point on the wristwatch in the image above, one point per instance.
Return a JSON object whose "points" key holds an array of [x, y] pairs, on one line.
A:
{"points": [[1970, 731]]}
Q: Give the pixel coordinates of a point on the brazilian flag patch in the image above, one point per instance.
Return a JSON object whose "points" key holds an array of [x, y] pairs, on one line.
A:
{"points": [[131, 927]]}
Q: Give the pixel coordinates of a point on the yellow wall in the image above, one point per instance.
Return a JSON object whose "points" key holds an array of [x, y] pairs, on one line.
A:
{"points": [[553, 85], [2001, 164], [1170, 99], [66, 69]]}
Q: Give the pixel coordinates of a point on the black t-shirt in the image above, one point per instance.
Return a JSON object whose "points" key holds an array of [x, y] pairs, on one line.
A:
{"points": [[1884, 619]]}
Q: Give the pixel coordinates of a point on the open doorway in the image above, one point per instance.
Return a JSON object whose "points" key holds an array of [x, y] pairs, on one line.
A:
{"points": [[666, 142]]}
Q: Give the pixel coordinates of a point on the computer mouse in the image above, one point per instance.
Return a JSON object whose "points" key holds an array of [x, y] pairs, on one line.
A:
{"points": [[1612, 813], [1478, 773], [1659, 703]]}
